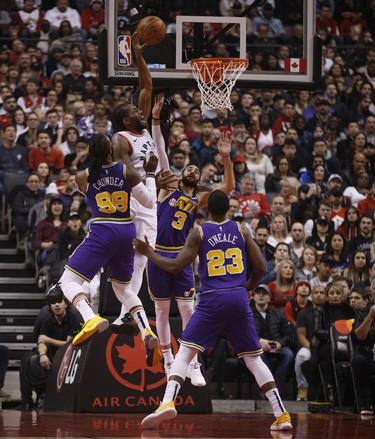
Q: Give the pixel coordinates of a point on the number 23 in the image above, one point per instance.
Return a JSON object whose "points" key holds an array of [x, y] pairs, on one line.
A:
{"points": [[217, 262]]}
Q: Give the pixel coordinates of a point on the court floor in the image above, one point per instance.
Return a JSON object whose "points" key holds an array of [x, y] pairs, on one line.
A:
{"points": [[16, 424]]}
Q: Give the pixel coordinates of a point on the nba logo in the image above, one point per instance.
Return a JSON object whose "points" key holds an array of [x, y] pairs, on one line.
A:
{"points": [[124, 50]]}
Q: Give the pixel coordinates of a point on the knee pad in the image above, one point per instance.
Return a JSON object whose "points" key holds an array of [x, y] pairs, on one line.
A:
{"points": [[259, 369]]}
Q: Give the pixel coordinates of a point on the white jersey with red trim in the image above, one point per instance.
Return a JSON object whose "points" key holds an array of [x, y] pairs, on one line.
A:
{"points": [[141, 145]]}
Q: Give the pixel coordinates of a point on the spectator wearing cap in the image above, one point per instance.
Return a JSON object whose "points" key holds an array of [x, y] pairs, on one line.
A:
{"points": [[320, 234], [336, 198], [307, 341], [326, 266], [321, 116], [68, 241], [275, 335], [334, 181], [324, 209], [56, 324], [275, 26], [33, 99], [29, 20], [92, 18], [239, 169], [367, 205]]}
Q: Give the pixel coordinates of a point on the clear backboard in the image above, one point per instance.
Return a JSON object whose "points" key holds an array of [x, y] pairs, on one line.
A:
{"points": [[292, 61]]}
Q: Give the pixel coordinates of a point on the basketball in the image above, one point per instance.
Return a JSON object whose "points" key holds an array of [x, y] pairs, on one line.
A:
{"points": [[151, 30]]}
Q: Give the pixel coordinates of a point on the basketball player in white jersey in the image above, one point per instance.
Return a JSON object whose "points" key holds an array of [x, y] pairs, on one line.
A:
{"points": [[132, 143]]}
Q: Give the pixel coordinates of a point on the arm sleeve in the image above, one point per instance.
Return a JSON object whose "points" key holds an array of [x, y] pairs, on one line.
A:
{"points": [[160, 146], [145, 194]]}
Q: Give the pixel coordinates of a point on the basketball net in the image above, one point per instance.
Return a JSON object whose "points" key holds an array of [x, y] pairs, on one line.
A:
{"points": [[216, 77]]}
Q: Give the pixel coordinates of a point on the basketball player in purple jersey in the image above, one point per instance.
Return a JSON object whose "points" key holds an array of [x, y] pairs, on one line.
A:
{"points": [[132, 143], [223, 247], [176, 213], [108, 185]]}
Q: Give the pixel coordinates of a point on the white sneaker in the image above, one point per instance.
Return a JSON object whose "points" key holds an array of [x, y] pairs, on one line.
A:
{"points": [[195, 375], [164, 412]]}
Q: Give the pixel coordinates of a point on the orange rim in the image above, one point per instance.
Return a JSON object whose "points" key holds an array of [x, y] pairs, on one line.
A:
{"points": [[210, 61]]}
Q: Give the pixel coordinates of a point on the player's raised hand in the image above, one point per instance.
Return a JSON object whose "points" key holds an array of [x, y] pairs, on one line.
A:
{"points": [[151, 164], [158, 105], [224, 145], [166, 180], [142, 247], [137, 47]]}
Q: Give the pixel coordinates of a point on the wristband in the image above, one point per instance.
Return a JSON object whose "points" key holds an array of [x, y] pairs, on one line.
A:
{"points": [[150, 174], [225, 156], [41, 355], [156, 118]]}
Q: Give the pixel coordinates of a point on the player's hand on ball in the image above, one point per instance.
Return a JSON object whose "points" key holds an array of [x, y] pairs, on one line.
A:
{"points": [[137, 47], [142, 247], [166, 180]]}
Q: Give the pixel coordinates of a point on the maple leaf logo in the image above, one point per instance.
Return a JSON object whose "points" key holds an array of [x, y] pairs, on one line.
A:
{"points": [[294, 65], [126, 360]]}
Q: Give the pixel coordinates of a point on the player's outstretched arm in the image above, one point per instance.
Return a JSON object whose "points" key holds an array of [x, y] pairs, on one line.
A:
{"points": [[156, 132], [144, 77], [224, 147], [185, 257]]}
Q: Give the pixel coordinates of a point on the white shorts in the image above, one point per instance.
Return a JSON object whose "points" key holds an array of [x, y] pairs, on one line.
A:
{"points": [[145, 220]]}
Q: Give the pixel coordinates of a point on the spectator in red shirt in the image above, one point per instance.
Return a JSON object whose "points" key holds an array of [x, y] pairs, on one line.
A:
{"points": [[286, 119], [282, 289], [324, 19], [92, 17], [253, 204], [368, 203], [302, 290], [45, 153], [29, 20]]}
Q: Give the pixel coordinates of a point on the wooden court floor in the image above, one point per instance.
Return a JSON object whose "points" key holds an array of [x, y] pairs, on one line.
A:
{"points": [[16, 424]]}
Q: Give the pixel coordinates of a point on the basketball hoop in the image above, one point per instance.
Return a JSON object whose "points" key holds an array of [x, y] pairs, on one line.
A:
{"points": [[216, 77]]}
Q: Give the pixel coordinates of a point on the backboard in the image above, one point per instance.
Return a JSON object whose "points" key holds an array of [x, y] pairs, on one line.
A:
{"points": [[292, 62]]}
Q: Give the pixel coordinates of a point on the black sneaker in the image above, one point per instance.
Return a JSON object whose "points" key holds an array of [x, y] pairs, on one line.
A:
{"points": [[127, 327], [367, 409]]}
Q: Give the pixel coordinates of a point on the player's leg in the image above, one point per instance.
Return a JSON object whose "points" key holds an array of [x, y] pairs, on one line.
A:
{"points": [[167, 409], [163, 328], [133, 303], [71, 285], [186, 308]]}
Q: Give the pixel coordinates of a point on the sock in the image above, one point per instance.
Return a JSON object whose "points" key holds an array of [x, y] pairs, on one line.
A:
{"points": [[171, 392], [167, 355], [276, 403], [85, 309], [140, 319]]}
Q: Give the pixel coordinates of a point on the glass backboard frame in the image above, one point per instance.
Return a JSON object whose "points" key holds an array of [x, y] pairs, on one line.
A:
{"points": [[112, 73]]}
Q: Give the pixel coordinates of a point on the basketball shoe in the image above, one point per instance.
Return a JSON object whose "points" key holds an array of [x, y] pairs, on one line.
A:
{"points": [[283, 422], [153, 354], [96, 324], [164, 412], [195, 374]]}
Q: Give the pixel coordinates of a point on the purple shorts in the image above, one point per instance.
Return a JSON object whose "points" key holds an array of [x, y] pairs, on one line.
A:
{"points": [[223, 311], [163, 285], [105, 243]]}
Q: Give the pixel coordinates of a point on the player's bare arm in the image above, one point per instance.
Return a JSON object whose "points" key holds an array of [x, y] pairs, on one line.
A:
{"points": [[145, 79], [121, 149], [224, 147], [185, 257], [255, 258], [81, 180]]}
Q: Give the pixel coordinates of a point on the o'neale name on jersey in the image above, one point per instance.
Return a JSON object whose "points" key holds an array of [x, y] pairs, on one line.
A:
{"points": [[222, 237], [108, 181]]}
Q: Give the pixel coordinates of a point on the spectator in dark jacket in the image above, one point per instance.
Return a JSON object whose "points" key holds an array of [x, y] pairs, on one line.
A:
{"points": [[275, 336]]}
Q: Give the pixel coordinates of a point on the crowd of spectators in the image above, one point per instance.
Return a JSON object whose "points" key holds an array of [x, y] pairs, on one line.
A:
{"points": [[304, 161]]}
